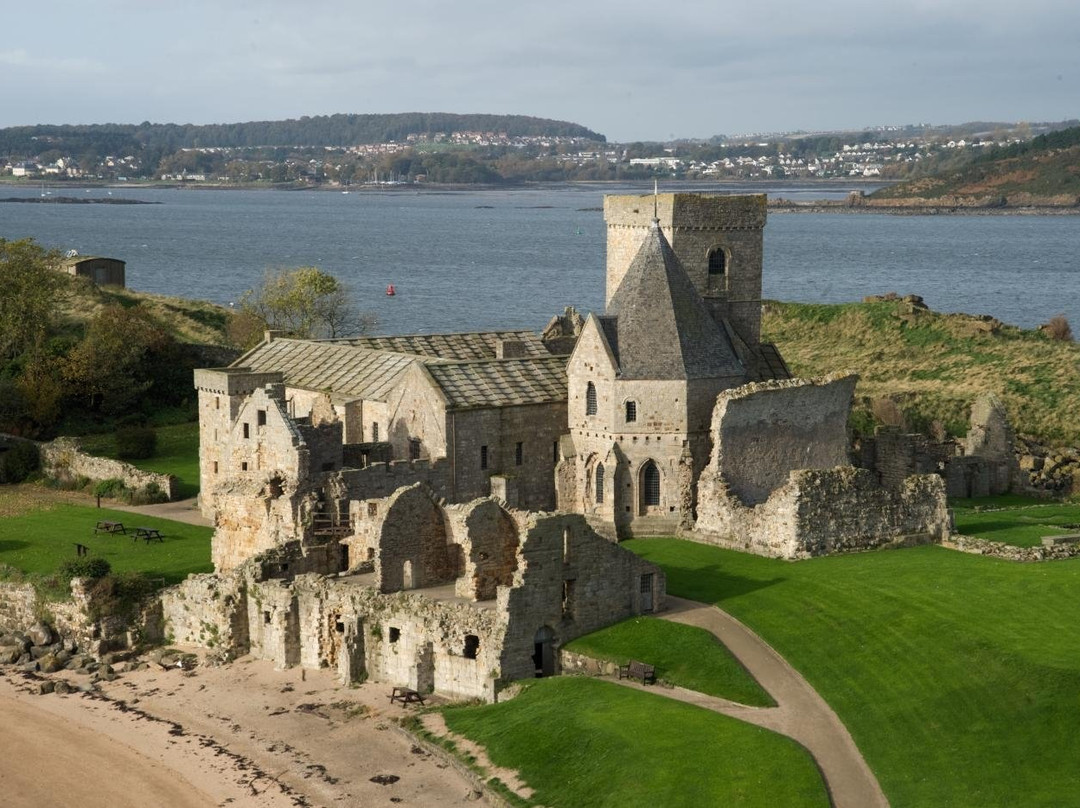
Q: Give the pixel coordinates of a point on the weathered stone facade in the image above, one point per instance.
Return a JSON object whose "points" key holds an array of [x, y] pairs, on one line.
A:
{"points": [[456, 599]]}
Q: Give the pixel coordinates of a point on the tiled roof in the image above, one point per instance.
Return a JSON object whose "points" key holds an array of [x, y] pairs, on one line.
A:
{"points": [[501, 382], [330, 367], [664, 330], [460, 347]]}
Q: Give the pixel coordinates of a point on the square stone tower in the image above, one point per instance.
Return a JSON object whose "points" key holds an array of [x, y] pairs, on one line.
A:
{"points": [[717, 239]]}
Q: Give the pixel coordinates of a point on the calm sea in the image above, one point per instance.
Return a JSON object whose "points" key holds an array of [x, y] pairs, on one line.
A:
{"points": [[511, 259]]}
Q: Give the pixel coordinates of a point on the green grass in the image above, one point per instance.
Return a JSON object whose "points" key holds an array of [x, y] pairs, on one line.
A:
{"points": [[177, 453], [683, 655], [1022, 521], [586, 743], [957, 675], [36, 541]]}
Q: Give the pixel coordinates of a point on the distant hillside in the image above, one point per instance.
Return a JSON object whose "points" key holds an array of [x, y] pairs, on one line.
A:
{"points": [[928, 366], [320, 130], [1044, 170]]}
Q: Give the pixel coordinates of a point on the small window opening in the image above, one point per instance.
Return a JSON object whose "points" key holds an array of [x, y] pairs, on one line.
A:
{"points": [[339, 627], [370, 553], [599, 483], [266, 618], [374, 431], [631, 411], [260, 418], [566, 544], [568, 599], [472, 646], [395, 634], [483, 457], [414, 449], [217, 402], [243, 466], [555, 452], [372, 509], [247, 430], [215, 467], [519, 453], [590, 399]]}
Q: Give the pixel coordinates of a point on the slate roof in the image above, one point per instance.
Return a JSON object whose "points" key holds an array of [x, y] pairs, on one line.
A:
{"points": [[461, 347], [664, 330], [501, 382], [331, 367]]}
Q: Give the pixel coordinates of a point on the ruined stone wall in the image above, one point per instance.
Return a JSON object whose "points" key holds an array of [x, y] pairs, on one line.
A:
{"points": [[253, 449], [488, 538], [19, 607], [765, 430], [412, 549], [254, 517], [63, 460], [895, 455], [605, 584], [821, 511], [209, 611], [416, 410]]}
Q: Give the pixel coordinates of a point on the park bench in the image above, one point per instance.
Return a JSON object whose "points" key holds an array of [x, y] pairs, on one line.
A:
{"points": [[638, 670], [107, 526], [148, 534], [406, 695]]}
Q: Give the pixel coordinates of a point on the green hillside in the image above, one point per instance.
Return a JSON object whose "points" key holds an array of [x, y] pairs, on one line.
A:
{"points": [[1044, 170], [928, 366]]}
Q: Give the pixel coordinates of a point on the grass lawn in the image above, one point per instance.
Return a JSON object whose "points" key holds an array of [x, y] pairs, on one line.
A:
{"points": [[585, 743], [957, 675], [177, 453], [683, 655], [37, 539], [1022, 521]]}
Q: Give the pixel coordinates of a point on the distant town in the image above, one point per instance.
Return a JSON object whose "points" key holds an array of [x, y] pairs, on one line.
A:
{"points": [[468, 156]]}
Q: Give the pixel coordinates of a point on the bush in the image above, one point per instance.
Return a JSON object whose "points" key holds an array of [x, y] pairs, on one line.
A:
{"points": [[1058, 329], [85, 568], [121, 594], [150, 494], [110, 489], [135, 442], [19, 462]]}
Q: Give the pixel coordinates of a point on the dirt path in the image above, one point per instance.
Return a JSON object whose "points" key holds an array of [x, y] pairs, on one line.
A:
{"points": [[801, 713], [182, 510]]}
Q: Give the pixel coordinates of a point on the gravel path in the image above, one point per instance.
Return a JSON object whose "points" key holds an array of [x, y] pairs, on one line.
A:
{"points": [[801, 713]]}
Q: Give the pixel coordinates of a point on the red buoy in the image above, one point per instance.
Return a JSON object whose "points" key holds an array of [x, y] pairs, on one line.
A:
{"points": [[390, 290]]}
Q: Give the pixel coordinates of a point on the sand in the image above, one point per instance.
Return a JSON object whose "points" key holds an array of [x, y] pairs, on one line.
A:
{"points": [[240, 735]]}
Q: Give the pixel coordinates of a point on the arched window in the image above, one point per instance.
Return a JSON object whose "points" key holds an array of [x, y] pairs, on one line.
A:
{"points": [[599, 483], [631, 411], [590, 399], [717, 262], [650, 484]]}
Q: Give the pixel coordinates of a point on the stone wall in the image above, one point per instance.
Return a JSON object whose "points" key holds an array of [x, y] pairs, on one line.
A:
{"points": [[63, 460], [19, 607], [208, 611], [1009, 552], [765, 430]]}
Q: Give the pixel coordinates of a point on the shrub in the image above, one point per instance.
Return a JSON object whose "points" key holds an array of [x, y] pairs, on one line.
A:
{"points": [[85, 568], [19, 462], [1058, 329], [150, 494], [135, 442], [119, 594], [110, 489]]}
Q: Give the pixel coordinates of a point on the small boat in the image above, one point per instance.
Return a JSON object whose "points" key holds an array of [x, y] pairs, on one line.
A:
{"points": [[390, 290]]}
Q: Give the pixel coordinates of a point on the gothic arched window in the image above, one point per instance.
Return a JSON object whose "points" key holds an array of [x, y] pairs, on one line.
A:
{"points": [[599, 483], [650, 484]]}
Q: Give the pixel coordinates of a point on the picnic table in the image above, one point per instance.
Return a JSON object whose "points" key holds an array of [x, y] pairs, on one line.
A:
{"points": [[406, 695], [149, 534], [108, 526]]}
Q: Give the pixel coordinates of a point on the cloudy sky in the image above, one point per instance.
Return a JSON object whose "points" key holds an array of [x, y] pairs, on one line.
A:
{"points": [[631, 70]]}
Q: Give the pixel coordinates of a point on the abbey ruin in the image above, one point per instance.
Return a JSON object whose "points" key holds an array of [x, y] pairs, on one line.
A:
{"points": [[443, 511]]}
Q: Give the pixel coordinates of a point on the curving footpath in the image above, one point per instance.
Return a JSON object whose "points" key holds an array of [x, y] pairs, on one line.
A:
{"points": [[801, 713]]}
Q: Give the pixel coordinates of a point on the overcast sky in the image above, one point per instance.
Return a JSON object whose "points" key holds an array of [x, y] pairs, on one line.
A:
{"points": [[631, 70]]}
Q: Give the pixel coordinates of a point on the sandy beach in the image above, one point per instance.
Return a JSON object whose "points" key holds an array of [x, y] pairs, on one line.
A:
{"points": [[239, 735]]}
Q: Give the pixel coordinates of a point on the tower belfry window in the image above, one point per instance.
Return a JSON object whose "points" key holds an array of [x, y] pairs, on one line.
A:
{"points": [[717, 263], [590, 399]]}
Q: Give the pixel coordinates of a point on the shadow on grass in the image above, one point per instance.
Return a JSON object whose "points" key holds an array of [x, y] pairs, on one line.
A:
{"points": [[12, 544], [712, 584]]}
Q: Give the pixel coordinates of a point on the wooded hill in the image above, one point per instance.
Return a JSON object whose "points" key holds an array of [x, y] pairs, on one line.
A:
{"points": [[318, 130], [1042, 171]]}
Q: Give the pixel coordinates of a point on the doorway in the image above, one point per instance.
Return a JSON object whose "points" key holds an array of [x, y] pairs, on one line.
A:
{"points": [[544, 652]]}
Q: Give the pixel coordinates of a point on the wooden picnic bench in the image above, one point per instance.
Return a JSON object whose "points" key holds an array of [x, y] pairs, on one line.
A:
{"points": [[638, 670], [406, 695], [108, 526], [148, 534]]}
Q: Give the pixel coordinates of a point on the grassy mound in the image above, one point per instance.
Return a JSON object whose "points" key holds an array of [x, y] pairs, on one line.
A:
{"points": [[932, 365], [585, 743], [683, 655], [956, 674]]}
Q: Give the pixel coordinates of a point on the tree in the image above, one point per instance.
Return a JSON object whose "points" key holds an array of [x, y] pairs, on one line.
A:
{"points": [[32, 290], [306, 302]]}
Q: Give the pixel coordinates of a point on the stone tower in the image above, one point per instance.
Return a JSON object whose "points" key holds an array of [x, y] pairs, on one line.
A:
{"points": [[717, 239]]}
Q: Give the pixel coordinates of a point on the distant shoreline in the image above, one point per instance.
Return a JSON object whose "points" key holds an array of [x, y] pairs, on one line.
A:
{"points": [[783, 206]]}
